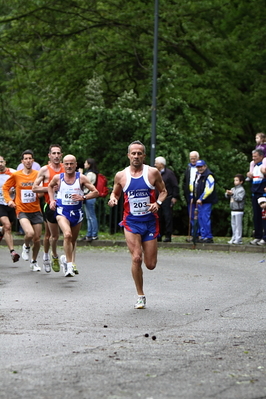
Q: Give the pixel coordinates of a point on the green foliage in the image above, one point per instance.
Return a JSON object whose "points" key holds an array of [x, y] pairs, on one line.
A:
{"points": [[79, 73]]}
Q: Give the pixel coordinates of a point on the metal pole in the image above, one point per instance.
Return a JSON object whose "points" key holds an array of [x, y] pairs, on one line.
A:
{"points": [[154, 86]]}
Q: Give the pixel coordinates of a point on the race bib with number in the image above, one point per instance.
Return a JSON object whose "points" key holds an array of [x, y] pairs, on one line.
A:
{"points": [[2, 201], [139, 206], [27, 196], [67, 197]]}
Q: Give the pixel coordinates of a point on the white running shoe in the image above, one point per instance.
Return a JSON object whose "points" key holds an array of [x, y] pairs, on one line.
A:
{"points": [[25, 252], [141, 303], [34, 266], [63, 263], [69, 271], [230, 242], [47, 265], [254, 241], [261, 242]]}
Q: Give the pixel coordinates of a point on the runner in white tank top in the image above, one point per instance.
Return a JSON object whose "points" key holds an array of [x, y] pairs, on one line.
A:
{"points": [[140, 218]]}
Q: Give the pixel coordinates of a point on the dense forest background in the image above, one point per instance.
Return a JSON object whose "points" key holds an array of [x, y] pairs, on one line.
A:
{"points": [[79, 73]]}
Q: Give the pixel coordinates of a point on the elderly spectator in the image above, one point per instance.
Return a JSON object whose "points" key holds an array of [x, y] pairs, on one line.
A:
{"points": [[166, 210], [190, 174]]}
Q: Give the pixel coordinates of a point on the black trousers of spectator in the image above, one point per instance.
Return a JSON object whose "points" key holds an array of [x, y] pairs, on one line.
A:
{"points": [[257, 219], [166, 218]]}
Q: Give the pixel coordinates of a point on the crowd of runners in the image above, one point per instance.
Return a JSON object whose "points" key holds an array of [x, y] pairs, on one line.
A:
{"points": [[62, 188]]}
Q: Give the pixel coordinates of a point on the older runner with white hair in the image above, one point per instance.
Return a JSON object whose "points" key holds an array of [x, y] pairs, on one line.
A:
{"points": [[68, 206]]}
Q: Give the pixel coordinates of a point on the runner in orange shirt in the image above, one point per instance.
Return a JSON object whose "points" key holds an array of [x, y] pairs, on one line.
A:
{"points": [[27, 207], [7, 214], [45, 175]]}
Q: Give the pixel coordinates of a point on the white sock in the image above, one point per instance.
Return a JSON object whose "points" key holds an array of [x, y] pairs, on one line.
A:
{"points": [[46, 256]]}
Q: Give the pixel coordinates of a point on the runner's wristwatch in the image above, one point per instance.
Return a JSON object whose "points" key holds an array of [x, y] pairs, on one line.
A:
{"points": [[159, 202]]}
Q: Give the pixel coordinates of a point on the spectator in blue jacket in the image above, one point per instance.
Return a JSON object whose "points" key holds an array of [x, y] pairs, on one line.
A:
{"points": [[204, 196]]}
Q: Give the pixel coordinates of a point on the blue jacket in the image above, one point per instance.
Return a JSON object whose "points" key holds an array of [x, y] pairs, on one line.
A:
{"points": [[204, 188]]}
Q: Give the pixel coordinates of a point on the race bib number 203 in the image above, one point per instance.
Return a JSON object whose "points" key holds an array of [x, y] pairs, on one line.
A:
{"points": [[139, 206]]}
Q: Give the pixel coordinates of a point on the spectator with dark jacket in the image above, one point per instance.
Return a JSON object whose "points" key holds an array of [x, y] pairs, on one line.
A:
{"points": [[258, 187], [166, 209], [204, 196], [190, 174]]}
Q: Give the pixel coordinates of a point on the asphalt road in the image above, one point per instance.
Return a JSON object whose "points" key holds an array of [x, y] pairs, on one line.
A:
{"points": [[81, 337]]}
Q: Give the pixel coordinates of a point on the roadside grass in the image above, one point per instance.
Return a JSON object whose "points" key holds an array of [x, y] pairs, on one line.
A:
{"points": [[119, 236], [103, 235]]}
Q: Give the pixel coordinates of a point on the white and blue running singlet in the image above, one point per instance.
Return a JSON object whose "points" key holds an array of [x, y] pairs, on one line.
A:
{"points": [[66, 206], [138, 194]]}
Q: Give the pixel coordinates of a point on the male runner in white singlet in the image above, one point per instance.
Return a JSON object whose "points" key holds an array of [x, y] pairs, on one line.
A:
{"points": [[68, 205], [140, 220]]}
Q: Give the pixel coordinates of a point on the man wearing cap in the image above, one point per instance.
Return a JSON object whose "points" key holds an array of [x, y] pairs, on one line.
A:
{"points": [[204, 196], [166, 209]]}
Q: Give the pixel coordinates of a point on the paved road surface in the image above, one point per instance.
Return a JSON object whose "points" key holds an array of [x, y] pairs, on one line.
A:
{"points": [[65, 338]]}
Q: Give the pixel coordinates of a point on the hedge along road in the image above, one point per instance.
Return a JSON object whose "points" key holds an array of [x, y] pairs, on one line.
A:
{"points": [[202, 334]]}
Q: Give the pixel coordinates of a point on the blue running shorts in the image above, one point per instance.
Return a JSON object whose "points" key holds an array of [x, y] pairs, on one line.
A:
{"points": [[74, 216], [148, 230]]}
